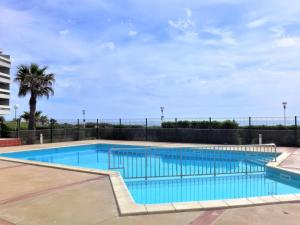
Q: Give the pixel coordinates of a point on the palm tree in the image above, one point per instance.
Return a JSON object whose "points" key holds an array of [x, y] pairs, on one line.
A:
{"points": [[37, 116], [43, 120], [35, 81]]}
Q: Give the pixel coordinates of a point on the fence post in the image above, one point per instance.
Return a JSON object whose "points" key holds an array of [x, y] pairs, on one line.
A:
{"points": [[16, 128], [146, 129], [97, 130], [249, 130], [210, 125], [51, 130], [214, 161], [146, 164], [296, 131], [120, 125], [246, 159], [78, 130], [181, 162]]}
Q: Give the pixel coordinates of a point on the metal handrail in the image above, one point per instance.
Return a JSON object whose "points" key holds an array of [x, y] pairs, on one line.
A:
{"points": [[203, 160]]}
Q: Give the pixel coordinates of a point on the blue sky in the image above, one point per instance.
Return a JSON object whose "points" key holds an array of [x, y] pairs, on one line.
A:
{"points": [[126, 58]]}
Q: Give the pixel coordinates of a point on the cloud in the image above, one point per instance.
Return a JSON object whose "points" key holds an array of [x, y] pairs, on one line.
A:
{"points": [[287, 42], [197, 61], [223, 36], [277, 31], [108, 46], [64, 32], [132, 33], [257, 23], [185, 23]]}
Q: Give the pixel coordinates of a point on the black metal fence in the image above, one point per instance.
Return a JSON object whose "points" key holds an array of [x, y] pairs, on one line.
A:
{"points": [[278, 130]]}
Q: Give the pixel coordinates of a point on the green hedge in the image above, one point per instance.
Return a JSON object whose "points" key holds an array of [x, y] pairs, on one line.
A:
{"points": [[4, 130], [227, 124]]}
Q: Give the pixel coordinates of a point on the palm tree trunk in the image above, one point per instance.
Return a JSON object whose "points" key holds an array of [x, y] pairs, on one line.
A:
{"points": [[32, 106], [31, 124]]}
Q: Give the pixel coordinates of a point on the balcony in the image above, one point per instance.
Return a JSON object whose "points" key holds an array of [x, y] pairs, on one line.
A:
{"points": [[4, 75], [4, 91], [4, 80], [5, 62], [4, 110], [4, 96]]}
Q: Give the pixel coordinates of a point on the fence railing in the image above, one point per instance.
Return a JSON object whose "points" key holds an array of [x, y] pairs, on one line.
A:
{"points": [[157, 122], [237, 186], [207, 160], [279, 130]]}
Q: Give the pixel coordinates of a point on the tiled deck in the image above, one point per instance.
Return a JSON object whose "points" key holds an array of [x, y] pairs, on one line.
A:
{"points": [[39, 195]]}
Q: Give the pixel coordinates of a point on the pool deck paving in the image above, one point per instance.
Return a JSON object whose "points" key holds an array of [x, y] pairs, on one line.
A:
{"points": [[35, 195]]}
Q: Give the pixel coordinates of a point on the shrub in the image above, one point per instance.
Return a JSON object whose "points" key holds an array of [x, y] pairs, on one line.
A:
{"points": [[4, 130], [228, 124], [168, 124], [183, 124], [201, 124]]}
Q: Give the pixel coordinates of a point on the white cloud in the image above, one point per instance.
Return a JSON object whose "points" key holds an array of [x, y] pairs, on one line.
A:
{"points": [[183, 24], [277, 31], [209, 55], [257, 23], [64, 32], [188, 12], [287, 42], [108, 46], [224, 37], [132, 33]]}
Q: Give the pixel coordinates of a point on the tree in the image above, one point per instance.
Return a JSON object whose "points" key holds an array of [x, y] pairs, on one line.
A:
{"points": [[37, 116], [43, 120], [35, 81]]}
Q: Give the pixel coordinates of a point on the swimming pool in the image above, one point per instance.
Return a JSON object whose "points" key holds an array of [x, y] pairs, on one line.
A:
{"points": [[164, 175]]}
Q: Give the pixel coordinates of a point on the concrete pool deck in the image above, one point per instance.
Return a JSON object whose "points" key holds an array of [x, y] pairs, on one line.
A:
{"points": [[38, 195]]}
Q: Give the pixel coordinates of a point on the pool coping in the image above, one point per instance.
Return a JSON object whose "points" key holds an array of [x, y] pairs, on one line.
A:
{"points": [[127, 206]]}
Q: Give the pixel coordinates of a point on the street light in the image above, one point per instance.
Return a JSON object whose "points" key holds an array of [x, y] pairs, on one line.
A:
{"points": [[16, 106], [162, 113], [284, 112], [83, 115]]}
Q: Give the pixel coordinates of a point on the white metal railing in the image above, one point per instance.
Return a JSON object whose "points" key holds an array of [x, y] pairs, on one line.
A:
{"points": [[149, 162]]}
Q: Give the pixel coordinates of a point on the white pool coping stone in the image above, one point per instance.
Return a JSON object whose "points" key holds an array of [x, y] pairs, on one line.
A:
{"points": [[127, 206]]}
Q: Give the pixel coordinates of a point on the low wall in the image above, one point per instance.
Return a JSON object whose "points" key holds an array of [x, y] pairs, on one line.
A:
{"points": [[187, 135]]}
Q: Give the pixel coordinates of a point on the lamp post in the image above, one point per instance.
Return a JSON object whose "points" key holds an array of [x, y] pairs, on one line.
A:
{"points": [[284, 104], [83, 116], [162, 113], [16, 106]]}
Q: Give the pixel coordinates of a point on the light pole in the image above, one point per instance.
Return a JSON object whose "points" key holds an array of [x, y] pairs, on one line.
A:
{"points": [[83, 115], [162, 113], [284, 112], [16, 106]]}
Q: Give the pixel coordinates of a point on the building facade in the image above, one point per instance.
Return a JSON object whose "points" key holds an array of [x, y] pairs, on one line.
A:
{"points": [[5, 80]]}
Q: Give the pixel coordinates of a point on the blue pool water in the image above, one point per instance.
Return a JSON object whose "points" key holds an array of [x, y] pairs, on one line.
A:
{"points": [[161, 175]]}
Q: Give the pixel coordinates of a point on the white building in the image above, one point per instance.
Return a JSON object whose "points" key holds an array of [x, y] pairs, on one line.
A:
{"points": [[4, 83]]}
